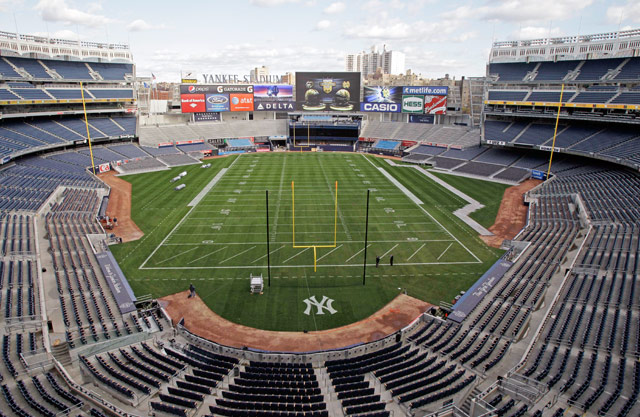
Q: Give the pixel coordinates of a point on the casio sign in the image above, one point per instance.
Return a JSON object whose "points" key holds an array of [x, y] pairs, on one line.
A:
{"points": [[390, 107]]}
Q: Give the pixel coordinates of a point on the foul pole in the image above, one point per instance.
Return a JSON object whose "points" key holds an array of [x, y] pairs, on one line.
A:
{"points": [[555, 131], [86, 122]]}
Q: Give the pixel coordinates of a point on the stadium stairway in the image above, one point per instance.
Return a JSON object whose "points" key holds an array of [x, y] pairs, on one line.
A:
{"points": [[60, 351], [466, 405]]}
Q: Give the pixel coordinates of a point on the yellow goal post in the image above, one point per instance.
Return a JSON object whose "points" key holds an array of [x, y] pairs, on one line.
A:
{"points": [[335, 225]]}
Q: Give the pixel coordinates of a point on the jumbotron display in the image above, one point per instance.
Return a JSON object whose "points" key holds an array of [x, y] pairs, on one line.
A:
{"points": [[328, 91], [216, 98]]}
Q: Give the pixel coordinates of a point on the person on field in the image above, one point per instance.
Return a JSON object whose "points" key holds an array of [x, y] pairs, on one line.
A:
{"points": [[377, 261], [391, 260], [192, 291]]}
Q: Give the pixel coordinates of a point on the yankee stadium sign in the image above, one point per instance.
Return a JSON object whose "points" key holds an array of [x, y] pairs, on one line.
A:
{"points": [[237, 79]]}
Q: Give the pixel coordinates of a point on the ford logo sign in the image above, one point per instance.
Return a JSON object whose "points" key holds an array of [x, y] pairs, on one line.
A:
{"points": [[215, 99]]}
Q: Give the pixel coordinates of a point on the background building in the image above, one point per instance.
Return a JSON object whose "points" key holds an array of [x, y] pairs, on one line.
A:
{"points": [[389, 62]]}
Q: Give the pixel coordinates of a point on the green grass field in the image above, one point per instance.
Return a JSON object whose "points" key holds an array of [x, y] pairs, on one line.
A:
{"points": [[216, 242]]}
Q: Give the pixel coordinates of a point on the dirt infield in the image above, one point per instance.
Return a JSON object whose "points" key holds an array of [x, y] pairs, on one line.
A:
{"points": [[120, 207], [199, 319], [512, 215]]}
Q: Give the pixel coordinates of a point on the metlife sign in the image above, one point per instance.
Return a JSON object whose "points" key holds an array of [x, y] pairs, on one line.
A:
{"points": [[426, 90]]}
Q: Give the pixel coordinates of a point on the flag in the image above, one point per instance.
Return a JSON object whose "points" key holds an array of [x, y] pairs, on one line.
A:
{"points": [[145, 85], [153, 76]]}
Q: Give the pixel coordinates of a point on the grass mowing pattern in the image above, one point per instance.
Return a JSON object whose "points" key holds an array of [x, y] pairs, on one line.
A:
{"points": [[486, 192], [220, 241]]}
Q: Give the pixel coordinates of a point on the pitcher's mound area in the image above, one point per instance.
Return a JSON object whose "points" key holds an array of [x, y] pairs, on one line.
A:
{"points": [[200, 320]]}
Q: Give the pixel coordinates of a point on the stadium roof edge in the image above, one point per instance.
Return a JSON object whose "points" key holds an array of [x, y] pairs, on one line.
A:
{"points": [[45, 47], [620, 44]]}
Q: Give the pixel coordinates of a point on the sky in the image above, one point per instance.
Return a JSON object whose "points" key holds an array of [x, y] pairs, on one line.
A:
{"points": [[232, 37]]}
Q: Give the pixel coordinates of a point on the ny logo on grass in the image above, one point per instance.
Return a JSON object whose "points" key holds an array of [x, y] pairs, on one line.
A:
{"points": [[311, 301]]}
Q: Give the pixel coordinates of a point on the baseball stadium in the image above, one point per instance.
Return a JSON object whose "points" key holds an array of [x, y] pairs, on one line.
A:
{"points": [[323, 246]]}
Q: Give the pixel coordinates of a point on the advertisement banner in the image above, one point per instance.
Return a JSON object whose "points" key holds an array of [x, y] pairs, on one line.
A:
{"points": [[206, 117], [120, 288], [192, 103], [328, 91], [216, 89], [426, 90], [538, 175], [435, 104], [241, 102], [421, 118], [105, 167], [217, 102], [413, 104], [382, 99], [273, 98]]}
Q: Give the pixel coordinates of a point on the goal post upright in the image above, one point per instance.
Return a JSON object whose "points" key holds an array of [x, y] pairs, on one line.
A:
{"points": [[293, 221]]}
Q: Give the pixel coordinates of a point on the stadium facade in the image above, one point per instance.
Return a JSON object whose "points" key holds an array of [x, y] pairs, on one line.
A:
{"points": [[553, 327]]}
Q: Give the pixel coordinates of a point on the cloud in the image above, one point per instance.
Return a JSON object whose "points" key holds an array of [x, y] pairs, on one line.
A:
{"points": [[531, 11], [337, 7], [239, 59], [140, 25], [323, 24], [60, 11], [9, 4], [59, 34], [630, 12], [440, 30], [271, 3], [535, 32]]}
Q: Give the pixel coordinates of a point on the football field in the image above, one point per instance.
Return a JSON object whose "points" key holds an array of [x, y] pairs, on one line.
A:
{"points": [[226, 229], [216, 236]]}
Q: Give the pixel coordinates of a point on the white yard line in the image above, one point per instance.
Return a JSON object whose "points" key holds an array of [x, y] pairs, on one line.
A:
{"points": [[165, 238], [443, 252], [271, 253], [318, 243], [299, 253], [208, 254], [397, 183], [432, 218], [175, 228], [275, 220], [383, 255], [308, 266], [342, 222], [238, 254], [175, 256], [328, 253], [356, 254], [414, 253], [209, 186]]}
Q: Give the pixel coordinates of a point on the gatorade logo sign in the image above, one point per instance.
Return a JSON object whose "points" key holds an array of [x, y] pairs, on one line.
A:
{"points": [[412, 104]]}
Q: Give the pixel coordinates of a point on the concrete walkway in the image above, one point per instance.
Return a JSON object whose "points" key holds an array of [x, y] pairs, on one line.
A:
{"points": [[462, 213]]}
